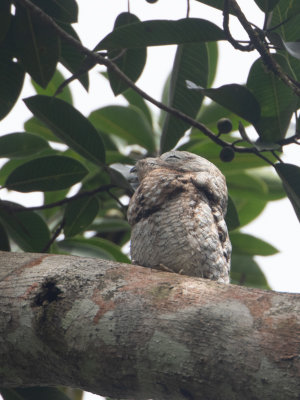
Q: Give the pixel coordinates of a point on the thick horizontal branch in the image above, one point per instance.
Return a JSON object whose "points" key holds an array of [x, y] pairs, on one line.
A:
{"points": [[127, 331]]}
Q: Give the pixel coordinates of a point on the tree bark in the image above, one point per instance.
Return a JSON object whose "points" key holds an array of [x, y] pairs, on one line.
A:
{"points": [[131, 332]]}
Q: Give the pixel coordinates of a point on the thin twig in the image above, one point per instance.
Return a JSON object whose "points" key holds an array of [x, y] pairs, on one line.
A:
{"points": [[263, 157], [188, 8], [104, 188], [276, 156], [236, 44], [54, 236], [124, 209]]}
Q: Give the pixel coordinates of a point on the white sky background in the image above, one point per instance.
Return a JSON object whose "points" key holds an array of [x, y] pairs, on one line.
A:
{"points": [[278, 223]]}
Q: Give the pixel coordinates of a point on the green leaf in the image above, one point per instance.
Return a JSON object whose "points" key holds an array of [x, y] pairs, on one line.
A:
{"points": [[5, 18], [66, 11], [161, 32], [33, 393], [164, 100], [37, 44], [191, 62], [266, 5], [245, 185], [34, 125], [249, 210], [45, 174], [286, 20], [93, 247], [128, 123], [272, 181], [293, 48], [114, 156], [69, 125], [130, 61], [277, 101], [213, 56], [79, 214], [52, 197], [11, 80], [71, 57], [14, 163], [245, 271], [236, 98], [249, 194], [290, 176], [249, 245], [4, 241], [108, 225], [72, 393], [210, 114], [57, 79], [26, 228], [232, 217], [284, 26], [136, 100], [21, 144], [118, 179]]}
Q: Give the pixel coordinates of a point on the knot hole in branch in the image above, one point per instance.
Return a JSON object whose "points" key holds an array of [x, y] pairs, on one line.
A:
{"points": [[48, 293]]}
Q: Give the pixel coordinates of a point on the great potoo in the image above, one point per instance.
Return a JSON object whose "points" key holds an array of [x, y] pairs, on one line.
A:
{"points": [[177, 216]]}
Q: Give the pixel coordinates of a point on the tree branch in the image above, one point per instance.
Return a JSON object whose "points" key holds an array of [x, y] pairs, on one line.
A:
{"points": [[59, 203], [231, 40], [126, 331]]}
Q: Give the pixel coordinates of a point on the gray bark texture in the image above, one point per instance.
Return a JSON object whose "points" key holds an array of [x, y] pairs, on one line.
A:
{"points": [[126, 331]]}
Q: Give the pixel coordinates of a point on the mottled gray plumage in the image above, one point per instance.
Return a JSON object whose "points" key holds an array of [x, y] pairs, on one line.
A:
{"points": [[177, 216]]}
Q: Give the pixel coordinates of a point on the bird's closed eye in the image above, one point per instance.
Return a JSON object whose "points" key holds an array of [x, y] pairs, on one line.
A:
{"points": [[173, 156]]}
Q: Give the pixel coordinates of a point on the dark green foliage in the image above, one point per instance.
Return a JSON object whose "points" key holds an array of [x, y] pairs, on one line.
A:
{"points": [[127, 123], [79, 214], [157, 33], [277, 101], [36, 393], [191, 62], [236, 98], [11, 78], [46, 173], [130, 61], [37, 46], [27, 229], [68, 124], [290, 176]]}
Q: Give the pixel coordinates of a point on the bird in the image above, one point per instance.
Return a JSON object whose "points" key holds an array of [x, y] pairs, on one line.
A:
{"points": [[177, 216]]}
